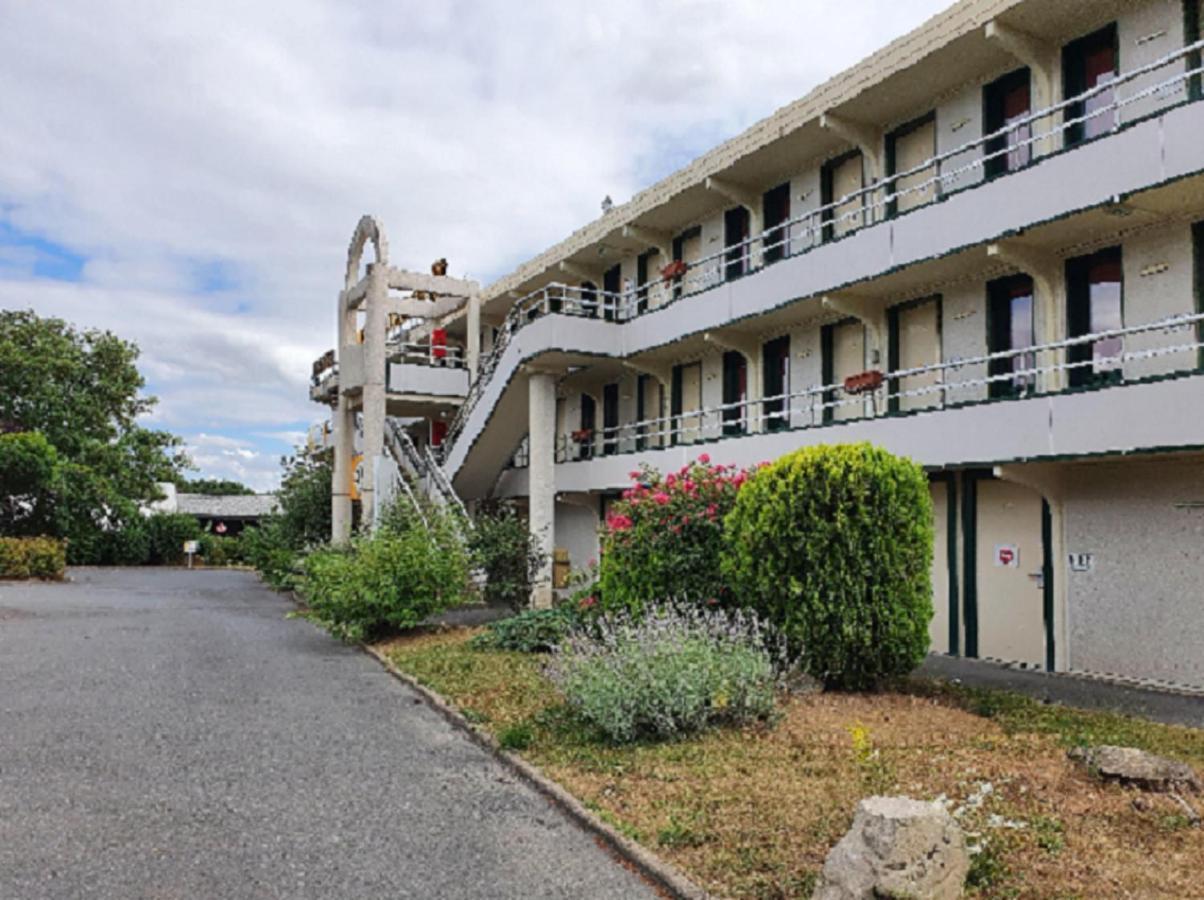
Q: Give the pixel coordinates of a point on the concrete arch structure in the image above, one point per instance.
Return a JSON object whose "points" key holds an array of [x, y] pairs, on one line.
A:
{"points": [[367, 229]]}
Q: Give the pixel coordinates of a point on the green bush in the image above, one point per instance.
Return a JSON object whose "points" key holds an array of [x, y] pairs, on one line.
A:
{"points": [[221, 550], [166, 534], [531, 631], [394, 579], [670, 671], [33, 557], [662, 541], [503, 548], [129, 545], [834, 546], [269, 550]]}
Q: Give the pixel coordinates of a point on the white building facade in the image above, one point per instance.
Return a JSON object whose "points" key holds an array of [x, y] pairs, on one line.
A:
{"points": [[981, 248]]}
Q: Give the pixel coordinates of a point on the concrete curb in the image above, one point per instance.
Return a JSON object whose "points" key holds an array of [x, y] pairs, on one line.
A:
{"points": [[656, 870]]}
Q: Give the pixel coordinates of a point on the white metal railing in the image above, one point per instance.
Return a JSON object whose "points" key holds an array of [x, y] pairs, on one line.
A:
{"points": [[1028, 370], [425, 354], [805, 232]]}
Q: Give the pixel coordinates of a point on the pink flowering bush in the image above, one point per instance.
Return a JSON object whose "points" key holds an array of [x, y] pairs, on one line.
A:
{"points": [[663, 540]]}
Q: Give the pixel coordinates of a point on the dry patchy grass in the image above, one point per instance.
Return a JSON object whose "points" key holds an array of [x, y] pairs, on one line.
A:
{"points": [[752, 813]]}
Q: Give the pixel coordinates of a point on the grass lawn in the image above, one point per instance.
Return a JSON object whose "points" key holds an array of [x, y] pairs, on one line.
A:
{"points": [[754, 812]]}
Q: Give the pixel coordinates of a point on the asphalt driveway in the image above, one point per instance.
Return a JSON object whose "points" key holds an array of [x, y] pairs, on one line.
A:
{"points": [[170, 734]]}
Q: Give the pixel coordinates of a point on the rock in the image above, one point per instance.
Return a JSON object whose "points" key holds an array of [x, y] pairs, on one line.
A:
{"points": [[897, 847], [1129, 765]]}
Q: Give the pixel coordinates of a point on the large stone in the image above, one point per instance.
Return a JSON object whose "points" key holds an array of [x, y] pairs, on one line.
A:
{"points": [[1140, 769], [897, 847]]}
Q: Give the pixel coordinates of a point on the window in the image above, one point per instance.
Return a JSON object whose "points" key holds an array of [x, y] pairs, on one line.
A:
{"points": [[841, 178], [611, 287], [775, 367], [775, 207], [1095, 304], [908, 148], [1005, 102], [1088, 63], [610, 420], [735, 391], [687, 248], [1010, 327], [1192, 10], [735, 234]]}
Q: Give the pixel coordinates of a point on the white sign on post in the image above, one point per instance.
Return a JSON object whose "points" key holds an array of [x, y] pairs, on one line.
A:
{"points": [[1007, 556], [191, 547]]}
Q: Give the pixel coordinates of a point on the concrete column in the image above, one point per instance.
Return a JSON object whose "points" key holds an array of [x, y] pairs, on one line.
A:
{"points": [[541, 473], [474, 337], [340, 487], [375, 327]]}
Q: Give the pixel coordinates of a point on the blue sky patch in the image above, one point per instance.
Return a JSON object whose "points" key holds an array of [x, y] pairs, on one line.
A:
{"points": [[23, 254]]}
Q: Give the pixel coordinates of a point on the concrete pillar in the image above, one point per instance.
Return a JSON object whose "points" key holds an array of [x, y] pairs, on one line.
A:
{"points": [[473, 352], [541, 474], [340, 487], [375, 327]]}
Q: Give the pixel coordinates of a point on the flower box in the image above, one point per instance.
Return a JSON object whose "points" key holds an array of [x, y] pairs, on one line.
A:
{"points": [[675, 269], [864, 382]]}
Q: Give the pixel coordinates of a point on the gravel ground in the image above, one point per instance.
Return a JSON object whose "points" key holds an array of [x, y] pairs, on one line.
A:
{"points": [[170, 734]]}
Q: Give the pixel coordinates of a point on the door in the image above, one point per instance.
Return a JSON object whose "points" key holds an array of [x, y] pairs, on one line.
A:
{"points": [[587, 434], [842, 178], [911, 147], [1094, 304], [648, 410], [1010, 328], [1009, 573], [647, 282], [735, 392], [687, 248], [1088, 63], [687, 403], [916, 343], [1007, 101], [735, 233], [844, 355], [611, 287], [775, 207], [775, 366], [610, 420]]}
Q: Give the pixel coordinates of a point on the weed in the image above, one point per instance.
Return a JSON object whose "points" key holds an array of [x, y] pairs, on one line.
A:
{"points": [[988, 870], [1050, 834], [516, 737]]}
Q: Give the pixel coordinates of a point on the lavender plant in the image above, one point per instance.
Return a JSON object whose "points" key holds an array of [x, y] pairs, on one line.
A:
{"points": [[670, 671]]}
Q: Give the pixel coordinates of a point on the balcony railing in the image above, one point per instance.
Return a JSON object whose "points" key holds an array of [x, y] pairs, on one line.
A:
{"points": [[1030, 371], [424, 354], [871, 204]]}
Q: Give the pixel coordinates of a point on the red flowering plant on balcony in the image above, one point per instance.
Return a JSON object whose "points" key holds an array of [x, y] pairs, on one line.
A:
{"points": [[662, 541]]}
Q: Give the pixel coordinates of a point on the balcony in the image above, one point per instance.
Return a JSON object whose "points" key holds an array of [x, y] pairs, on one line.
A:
{"points": [[862, 236], [1132, 382]]}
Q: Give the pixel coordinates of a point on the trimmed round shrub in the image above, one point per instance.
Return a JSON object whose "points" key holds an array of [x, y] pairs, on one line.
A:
{"points": [[670, 671], [834, 546], [662, 540]]}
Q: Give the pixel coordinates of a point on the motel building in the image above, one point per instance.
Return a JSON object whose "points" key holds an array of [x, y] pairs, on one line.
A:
{"points": [[981, 248]]}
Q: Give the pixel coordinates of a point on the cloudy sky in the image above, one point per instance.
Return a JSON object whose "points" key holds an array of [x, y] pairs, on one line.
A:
{"points": [[188, 174]]}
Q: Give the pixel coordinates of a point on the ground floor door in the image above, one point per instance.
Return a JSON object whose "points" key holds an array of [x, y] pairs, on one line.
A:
{"points": [[1007, 573], [942, 630]]}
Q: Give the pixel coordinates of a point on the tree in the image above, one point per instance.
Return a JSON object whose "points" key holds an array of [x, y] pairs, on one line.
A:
{"points": [[79, 390], [212, 487], [29, 477]]}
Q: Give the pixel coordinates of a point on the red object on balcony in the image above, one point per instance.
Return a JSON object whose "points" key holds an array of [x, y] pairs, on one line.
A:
{"points": [[439, 343], [675, 269], [583, 435], [438, 432], [864, 382]]}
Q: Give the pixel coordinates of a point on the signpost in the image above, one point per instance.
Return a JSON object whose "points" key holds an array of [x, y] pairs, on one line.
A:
{"points": [[190, 548]]}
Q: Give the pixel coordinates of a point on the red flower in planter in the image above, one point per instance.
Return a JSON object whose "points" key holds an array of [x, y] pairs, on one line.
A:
{"points": [[675, 269], [864, 382]]}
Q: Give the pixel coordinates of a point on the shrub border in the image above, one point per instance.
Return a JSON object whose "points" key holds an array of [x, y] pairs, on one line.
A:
{"points": [[651, 867]]}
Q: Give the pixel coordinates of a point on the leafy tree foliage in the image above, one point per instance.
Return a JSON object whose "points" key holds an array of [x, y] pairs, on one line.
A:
{"points": [[214, 487], [79, 390]]}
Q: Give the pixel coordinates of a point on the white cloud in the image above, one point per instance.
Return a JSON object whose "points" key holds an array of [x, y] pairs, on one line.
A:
{"points": [[163, 140]]}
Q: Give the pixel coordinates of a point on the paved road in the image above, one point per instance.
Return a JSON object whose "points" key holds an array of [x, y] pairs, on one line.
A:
{"points": [[169, 734]]}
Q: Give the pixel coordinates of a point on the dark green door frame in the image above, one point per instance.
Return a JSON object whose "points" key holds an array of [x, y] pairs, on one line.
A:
{"points": [[949, 480]]}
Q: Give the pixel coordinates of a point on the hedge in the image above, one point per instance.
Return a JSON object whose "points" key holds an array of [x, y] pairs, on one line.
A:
{"points": [[834, 545], [33, 557]]}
